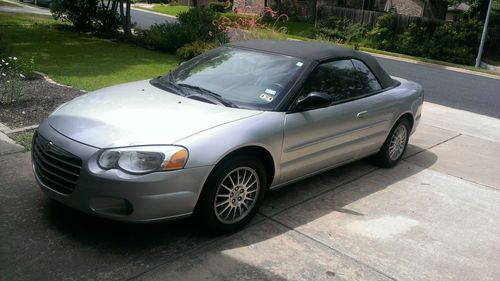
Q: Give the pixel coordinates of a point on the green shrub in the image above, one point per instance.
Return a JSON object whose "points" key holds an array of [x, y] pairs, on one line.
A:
{"points": [[383, 35], [106, 21], [167, 37], [218, 7], [201, 23], [79, 12], [197, 24], [416, 40], [194, 49], [340, 30], [456, 42], [86, 15]]}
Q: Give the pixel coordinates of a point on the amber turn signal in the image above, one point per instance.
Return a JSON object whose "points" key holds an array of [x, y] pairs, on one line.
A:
{"points": [[177, 161]]}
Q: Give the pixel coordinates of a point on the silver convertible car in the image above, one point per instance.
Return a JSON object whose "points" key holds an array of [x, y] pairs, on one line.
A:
{"points": [[211, 137]]}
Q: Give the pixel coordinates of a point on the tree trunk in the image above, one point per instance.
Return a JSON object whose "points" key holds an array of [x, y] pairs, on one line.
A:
{"points": [[127, 28], [122, 14]]}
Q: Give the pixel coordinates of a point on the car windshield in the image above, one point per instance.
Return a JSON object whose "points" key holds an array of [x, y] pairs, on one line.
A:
{"points": [[243, 78]]}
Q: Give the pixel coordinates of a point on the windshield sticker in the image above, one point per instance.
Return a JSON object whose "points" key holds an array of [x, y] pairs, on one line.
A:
{"points": [[299, 64], [266, 97], [271, 92]]}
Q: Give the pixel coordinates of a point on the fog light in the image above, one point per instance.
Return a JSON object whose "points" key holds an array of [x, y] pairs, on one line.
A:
{"points": [[111, 206]]}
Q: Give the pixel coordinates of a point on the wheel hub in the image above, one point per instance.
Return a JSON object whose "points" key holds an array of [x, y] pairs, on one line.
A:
{"points": [[238, 196]]}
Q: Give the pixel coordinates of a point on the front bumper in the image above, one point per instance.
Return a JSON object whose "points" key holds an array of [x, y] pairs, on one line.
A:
{"points": [[120, 196]]}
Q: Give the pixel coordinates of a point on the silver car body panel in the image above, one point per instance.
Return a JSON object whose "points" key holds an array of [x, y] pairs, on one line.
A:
{"points": [[301, 143], [154, 196], [138, 113]]}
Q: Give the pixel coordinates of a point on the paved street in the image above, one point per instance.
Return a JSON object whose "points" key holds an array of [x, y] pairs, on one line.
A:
{"points": [[144, 20], [450, 88], [433, 217]]}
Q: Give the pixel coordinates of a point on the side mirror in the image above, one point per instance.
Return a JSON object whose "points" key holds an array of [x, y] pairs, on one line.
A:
{"points": [[313, 100]]}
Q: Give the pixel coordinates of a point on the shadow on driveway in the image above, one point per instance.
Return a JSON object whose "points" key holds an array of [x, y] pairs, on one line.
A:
{"points": [[52, 241]]}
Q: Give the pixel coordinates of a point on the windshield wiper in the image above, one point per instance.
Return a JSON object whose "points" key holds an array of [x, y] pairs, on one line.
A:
{"points": [[169, 85], [204, 91]]}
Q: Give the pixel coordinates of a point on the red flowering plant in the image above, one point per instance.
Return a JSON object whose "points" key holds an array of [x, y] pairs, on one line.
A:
{"points": [[266, 24]]}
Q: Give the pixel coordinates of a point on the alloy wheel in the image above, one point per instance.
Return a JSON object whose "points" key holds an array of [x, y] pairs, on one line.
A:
{"points": [[236, 195], [398, 142]]}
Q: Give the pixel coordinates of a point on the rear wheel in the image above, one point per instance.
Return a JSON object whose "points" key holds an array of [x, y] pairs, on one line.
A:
{"points": [[232, 194], [395, 145]]}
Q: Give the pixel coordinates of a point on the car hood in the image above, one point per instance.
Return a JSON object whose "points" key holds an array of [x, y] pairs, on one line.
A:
{"points": [[138, 113]]}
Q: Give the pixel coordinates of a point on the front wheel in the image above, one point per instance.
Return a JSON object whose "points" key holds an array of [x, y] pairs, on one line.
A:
{"points": [[232, 194], [395, 145]]}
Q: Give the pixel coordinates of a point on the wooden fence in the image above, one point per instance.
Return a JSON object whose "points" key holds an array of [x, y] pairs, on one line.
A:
{"points": [[402, 22], [369, 18]]}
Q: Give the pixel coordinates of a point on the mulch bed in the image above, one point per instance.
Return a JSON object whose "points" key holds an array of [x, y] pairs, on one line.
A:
{"points": [[39, 99]]}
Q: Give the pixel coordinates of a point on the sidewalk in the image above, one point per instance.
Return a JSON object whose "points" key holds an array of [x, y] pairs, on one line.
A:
{"points": [[433, 217]]}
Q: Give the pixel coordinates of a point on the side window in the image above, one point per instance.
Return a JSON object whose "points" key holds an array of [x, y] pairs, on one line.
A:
{"points": [[342, 80], [373, 83]]}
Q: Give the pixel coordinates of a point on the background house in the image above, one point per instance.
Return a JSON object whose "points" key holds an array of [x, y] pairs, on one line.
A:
{"points": [[415, 8]]}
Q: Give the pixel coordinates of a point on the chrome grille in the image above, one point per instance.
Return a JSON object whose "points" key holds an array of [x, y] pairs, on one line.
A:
{"points": [[55, 167]]}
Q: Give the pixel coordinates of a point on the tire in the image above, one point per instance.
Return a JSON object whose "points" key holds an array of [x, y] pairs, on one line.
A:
{"points": [[387, 157], [219, 198]]}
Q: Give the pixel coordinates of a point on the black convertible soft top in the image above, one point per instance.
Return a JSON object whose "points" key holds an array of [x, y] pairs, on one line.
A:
{"points": [[316, 51]]}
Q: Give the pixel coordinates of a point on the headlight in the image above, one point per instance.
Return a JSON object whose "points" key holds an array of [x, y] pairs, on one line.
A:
{"points": [[144, 159]]}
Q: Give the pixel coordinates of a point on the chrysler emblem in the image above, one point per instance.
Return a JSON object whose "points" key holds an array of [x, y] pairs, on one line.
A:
{"points": [[51, 147]]}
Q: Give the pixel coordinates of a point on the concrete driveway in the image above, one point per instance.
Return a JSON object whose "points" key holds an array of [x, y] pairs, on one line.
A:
{"points": [[433, 217]]}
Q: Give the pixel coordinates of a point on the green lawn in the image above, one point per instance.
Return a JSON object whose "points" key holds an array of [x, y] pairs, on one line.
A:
{"points": [[26, 19], [24, 138], [167, 9], [80, 60], [299, 29]]}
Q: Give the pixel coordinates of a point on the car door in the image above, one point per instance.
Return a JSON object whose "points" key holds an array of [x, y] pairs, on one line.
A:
{"points": [[354, 124]]}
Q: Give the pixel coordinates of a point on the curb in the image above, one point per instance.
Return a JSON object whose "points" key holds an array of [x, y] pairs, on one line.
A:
{"points": [[451, 68], [7, 130], [20, 130]]}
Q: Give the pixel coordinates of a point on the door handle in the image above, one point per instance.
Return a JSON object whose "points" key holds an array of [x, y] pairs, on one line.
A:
{"points": [[362, 114]]}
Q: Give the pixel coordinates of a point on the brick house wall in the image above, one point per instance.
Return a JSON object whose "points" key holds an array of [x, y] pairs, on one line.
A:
{"points": [[301, 8], [404, 7]]}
